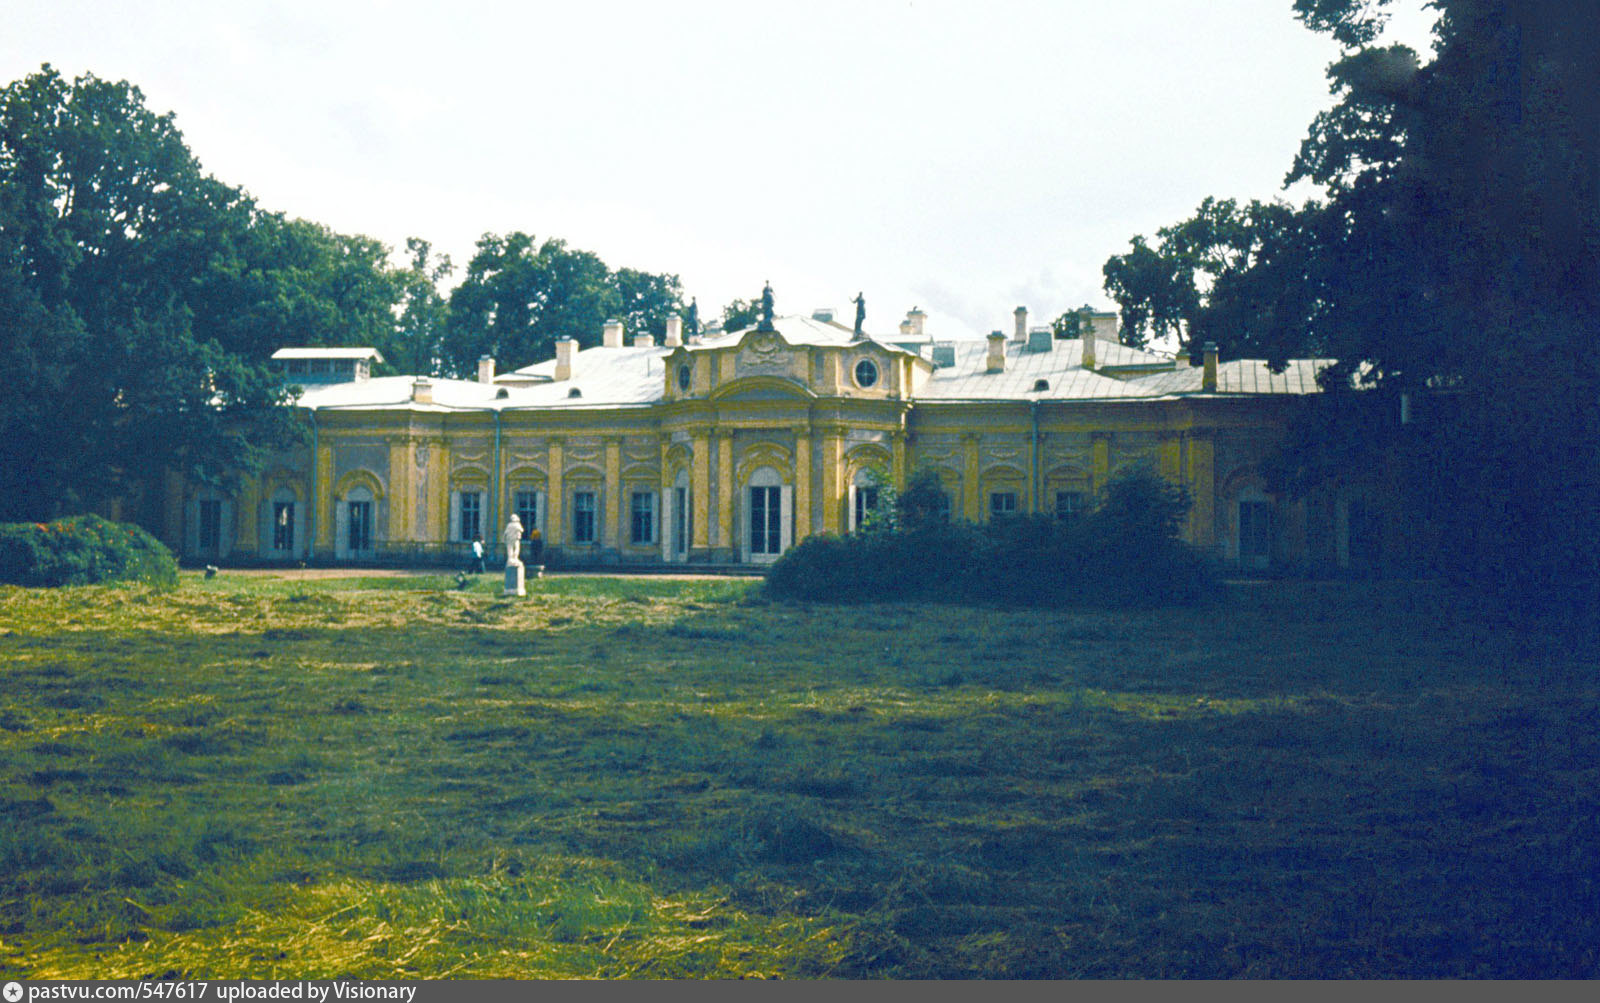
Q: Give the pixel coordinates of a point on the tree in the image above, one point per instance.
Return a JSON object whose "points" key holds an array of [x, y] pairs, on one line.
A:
{"points": [[740, 314], [519, 297], [1074, 323], [116, 257], [419, 345], [1238, 278], [647, 299], [1451, 257]]}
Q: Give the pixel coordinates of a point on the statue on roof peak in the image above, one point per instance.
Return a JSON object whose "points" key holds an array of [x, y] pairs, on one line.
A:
{"points": [[861, 313], [766, 309]]}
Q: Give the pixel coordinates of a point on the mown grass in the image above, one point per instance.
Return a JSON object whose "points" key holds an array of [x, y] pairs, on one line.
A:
{"points": [[391, 777]]}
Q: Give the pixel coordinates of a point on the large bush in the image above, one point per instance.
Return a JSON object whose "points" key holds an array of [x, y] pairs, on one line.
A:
{"points": [[1126, 552], [82, 550]]}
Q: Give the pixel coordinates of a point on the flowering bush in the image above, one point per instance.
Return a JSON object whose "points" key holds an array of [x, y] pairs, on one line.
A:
{"points": [[82, 550]]}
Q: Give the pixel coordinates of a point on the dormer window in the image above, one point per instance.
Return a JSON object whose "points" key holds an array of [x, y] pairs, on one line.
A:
{"points": [[866, 373]]}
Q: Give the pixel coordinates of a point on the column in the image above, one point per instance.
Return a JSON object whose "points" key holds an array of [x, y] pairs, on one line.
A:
{"points": [[664, 506], [247, 516], [1100, 450], [897, 466], [802, 483], [399, 491], [1203, 486], [700, 491], [555, 498], [724, 536], [323, 508], [610, 531], [832, 488], [970, 499], [1170, 453], [439, 528]]}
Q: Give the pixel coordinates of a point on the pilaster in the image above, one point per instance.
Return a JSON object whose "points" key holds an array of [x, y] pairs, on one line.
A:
{"points": [[555, 497], [802, 484], [612, 521], [724, 534], [970, 499]]}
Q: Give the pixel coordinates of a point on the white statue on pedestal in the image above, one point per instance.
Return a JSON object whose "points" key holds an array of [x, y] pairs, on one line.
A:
{"points": [[513, 540]]}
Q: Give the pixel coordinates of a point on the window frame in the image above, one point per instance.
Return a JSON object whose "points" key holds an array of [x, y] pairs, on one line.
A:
{"points": [[585, 517]]}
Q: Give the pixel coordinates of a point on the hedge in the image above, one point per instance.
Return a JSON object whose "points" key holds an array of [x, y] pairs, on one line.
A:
{"points": [[1124, 553], [82, 550]]}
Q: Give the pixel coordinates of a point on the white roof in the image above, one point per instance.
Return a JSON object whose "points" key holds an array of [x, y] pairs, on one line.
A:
{"points": [[633, 376], [1241, 376], [328, 353], [1061, 367]]}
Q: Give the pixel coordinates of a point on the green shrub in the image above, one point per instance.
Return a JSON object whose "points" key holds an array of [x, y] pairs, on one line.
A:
{"points": [[82, 550], [1124, 553]]}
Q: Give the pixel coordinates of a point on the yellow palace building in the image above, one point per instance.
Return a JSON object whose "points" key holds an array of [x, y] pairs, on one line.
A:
{"points": [[729, 449]]}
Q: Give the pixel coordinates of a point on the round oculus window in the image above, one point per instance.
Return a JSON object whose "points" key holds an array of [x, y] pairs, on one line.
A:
{"points": [[866, 373], [683, 378]]}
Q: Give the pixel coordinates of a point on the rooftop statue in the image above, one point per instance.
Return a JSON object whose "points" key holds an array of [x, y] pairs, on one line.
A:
{"points": [[692, 325], [766, 309], [861, 312]]}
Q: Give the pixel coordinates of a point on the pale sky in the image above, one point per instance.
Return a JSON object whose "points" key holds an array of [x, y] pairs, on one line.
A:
{"points": [[965, 157]]}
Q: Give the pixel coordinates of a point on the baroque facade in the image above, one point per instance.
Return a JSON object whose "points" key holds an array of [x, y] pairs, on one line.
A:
{"points": [[730, 449]]}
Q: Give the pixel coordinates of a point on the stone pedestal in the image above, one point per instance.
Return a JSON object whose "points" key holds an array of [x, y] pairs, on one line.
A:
{"points": [[515, 580]]}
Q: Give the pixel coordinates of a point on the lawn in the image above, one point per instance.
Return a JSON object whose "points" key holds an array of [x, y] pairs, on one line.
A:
{"points": [[391, 778]]}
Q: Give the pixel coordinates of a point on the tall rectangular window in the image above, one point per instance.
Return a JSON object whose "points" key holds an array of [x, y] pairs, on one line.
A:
{"points": [[766, 520], [359, 515], [644, 517], [1255, 531], [1069, 506], [283, 526], [866, 505], [583, 517], [527, 509], [680, 520], [1002, 504], [471, 515], [210, 525]]}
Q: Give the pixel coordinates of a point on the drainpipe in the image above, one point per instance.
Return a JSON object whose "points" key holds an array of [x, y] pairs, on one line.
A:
{"points": [[1033, 406], [311, 537], [494, 485]]}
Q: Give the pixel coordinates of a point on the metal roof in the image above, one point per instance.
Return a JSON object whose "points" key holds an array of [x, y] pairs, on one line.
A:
{"points": [[328, 353], [1241, 376], [632, 376]]}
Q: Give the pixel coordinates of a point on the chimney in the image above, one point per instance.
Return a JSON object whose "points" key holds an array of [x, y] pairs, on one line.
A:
{"points": [[422, 390], [611, 334], [485, 369], [644, 341], [1104, 326], [674, 331], [1086, 341], [1041, 339], [1208, 379], [917, 319], [566, 348], [823, 313], [1021, 313], [906, 328], [997, 352]]}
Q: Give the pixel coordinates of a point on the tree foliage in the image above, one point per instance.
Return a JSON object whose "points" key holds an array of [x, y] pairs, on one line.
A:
{"points": [[1453, 255], [127, 303], [740, 314], [519, 296]]}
